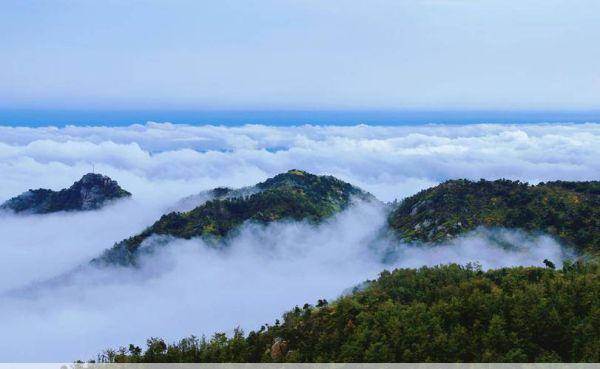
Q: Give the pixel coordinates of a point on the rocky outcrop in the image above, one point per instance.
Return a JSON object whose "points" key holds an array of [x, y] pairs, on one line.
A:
{"points": [[279, 349], [91, 192]]}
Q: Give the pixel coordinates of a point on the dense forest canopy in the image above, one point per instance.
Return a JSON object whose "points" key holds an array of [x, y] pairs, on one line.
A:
{"points": [[447, 313], [567, 210]]}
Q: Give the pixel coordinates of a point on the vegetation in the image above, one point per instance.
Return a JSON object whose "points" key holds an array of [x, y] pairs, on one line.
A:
{"points": [[567, 210], [92, 191], [440, 314], [295, 195]]}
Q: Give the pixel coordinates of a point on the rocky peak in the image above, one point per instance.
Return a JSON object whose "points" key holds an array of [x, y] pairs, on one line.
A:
{"points": [[92, 191]]}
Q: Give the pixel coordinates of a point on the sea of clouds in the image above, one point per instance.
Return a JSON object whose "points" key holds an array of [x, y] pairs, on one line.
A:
{"points": [[188, 288]]}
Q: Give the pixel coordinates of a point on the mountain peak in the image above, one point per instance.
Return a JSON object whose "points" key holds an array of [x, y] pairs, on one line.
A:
{"points": [[293, 195], [291, 177], [307, 181], [297, 172], [92, 191], [92, 177]]}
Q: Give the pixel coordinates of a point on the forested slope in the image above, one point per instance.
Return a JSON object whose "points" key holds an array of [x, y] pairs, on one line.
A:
{"points": [[440, 314], [294, 195], [567, 210]]}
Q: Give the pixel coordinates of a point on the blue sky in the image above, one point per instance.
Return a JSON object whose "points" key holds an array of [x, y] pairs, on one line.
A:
{"points": [[263, 54]]}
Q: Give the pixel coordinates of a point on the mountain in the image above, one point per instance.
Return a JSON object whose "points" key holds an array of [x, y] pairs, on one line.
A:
{"points": [[91, 192], [294, 195], [442, 314], [567, 210]]}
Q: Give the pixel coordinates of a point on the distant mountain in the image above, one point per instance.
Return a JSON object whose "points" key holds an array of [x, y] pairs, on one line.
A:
{"points": [[567, 210], [294, 195], [91, 192]]}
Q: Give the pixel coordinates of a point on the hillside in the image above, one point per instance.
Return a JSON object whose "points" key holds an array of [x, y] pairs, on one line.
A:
{"points": [[441, 314], [294, 195], [567, 210], [91, 192]]}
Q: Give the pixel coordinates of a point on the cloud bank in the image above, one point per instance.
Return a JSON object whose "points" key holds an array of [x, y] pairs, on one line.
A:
{"points": [[167, 161], [187, 288]]}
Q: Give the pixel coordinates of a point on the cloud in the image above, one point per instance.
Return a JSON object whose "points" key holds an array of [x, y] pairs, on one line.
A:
{"points": [[188, 288], [38, 247], [170, 161]]}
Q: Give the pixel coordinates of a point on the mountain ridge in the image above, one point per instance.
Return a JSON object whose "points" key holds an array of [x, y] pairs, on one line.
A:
{"points": [[294, 195], [568, 210]]}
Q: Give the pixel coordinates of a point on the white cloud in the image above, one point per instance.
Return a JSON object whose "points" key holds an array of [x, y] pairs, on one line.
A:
{"points": [[37, 247], [166, 160]]}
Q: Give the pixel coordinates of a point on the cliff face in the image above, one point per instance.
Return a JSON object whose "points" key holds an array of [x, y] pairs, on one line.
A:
{"points": [[91, 192]]}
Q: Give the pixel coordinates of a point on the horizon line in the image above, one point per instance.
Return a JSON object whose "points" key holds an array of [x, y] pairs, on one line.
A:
{"points": [[236, 117]]}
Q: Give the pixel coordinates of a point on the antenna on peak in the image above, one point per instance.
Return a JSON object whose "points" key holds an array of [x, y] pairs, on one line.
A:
{"points": [[93, 168]]}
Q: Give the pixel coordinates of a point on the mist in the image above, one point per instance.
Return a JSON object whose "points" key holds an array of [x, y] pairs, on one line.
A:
{"points": [[39, 247]]}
